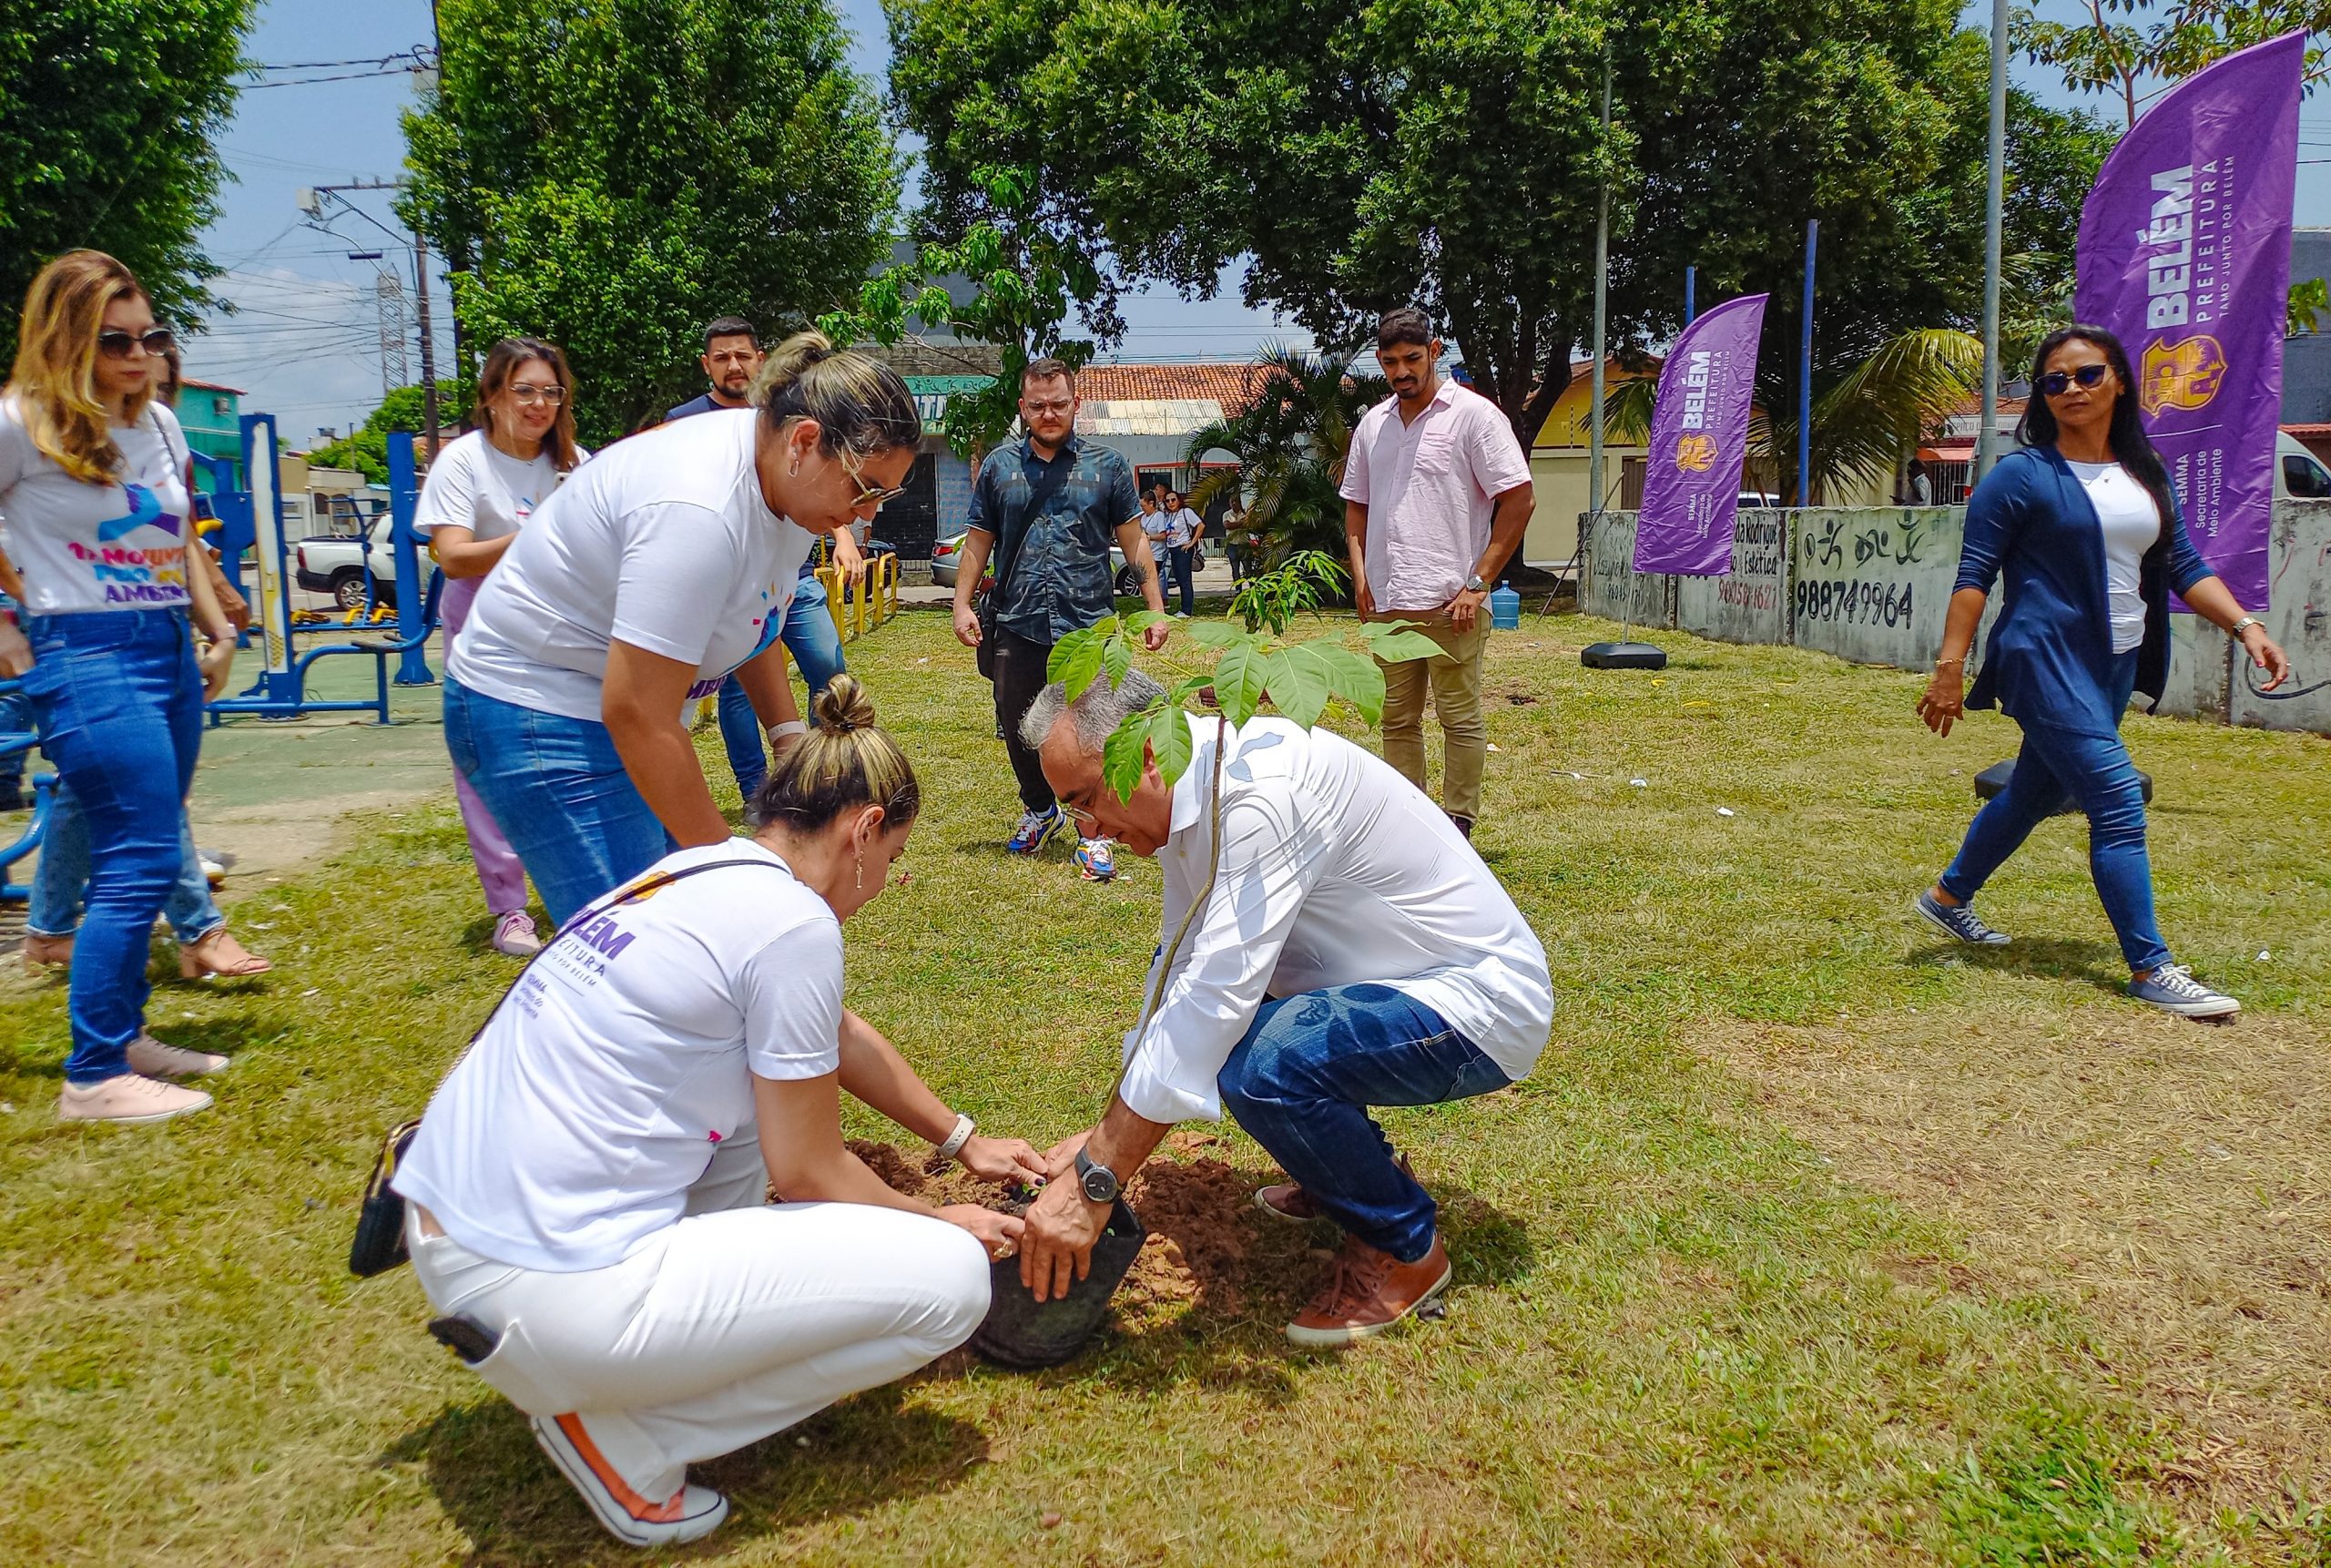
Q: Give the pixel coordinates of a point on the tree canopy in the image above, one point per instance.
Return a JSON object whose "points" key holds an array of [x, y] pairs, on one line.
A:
{"points": [[366, 448], [613, 174], [107, 116]]}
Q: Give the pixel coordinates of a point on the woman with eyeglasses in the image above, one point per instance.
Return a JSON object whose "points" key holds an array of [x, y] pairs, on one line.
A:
{"points": [[93, 484], [481, 491], [640, 585], [2082, 524]]}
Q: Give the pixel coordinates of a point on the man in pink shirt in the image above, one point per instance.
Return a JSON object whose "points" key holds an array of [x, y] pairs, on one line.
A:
{"points": [[1436, 496]]}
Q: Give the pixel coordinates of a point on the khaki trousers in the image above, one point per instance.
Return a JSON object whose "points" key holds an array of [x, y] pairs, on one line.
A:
{"points": [[1454, 677]]}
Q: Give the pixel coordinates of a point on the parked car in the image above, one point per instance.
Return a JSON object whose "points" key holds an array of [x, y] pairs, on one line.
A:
{"points": [[334, 563], [947, 552]]}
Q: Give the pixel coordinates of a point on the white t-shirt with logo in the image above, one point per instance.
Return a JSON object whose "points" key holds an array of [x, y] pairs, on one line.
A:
{"points": [[625, 1058], [662, 541], [2132, 525], [115, 545], [475, 484]]}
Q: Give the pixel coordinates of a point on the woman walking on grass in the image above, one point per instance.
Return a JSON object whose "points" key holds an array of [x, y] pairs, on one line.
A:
{"points": [[2082, 522], [643, 584], [93, 483], [480, 491]]}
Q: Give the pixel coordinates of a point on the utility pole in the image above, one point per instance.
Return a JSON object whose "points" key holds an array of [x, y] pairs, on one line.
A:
{"points": [[395, 372], [1994, 188], [1601, 298], [428, 346], [310, 201]]}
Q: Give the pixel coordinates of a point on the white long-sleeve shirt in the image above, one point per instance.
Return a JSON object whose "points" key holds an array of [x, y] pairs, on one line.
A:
{"points": [[1335, 870]]}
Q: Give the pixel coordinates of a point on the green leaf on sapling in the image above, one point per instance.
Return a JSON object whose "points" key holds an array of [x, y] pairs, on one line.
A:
{"points": [[1077, 659], [1352, 677], [1169, 744], [1116, 658], [1141, 621], [1123, 753], [1297, 679], [1396, 644], [1215, 633], [1238, 680]]}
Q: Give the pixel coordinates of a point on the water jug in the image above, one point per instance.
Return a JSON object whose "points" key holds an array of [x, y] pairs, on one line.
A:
{"points": [[1505, 609]]}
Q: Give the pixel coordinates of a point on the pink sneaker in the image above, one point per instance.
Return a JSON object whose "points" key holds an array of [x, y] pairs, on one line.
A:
{"points": [[151, 1058], [127, 1099], [514, 934]]}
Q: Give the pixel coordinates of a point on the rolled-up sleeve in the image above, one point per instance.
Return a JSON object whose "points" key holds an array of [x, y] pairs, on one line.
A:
{"points": [[1355, 485], [1992, 513], [1268, 867]]}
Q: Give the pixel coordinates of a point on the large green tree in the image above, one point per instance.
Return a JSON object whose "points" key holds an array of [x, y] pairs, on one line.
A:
{"points": [[612, 174], [107, 114], [366, 448], [1450, 152]]}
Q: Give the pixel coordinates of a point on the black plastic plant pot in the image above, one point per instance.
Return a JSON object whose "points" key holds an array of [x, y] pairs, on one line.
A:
{"points": [[1025, 1335]]}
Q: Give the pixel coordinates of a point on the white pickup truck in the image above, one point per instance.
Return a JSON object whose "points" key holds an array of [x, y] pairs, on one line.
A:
{"points": [[334, 563]]}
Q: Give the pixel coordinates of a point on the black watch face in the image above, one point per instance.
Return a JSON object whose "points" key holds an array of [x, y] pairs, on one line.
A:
{"points": [[1100, 1185]]}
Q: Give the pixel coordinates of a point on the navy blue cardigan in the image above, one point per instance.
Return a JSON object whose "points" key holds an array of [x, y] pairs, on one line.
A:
{"points": [[2050, 654]]}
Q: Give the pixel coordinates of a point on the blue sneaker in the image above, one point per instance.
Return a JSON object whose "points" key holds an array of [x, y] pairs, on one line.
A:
{"points": [[2172, 989], [1035, 830], [1958, 921], [1096, 860]]}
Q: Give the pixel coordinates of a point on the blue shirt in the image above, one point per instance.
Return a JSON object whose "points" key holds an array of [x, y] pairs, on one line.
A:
{"points": [[1060, 577], [2050, 655]]}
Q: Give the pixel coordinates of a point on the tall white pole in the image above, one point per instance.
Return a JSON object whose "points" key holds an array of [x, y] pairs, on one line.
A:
{"points": [[1994, 198]]}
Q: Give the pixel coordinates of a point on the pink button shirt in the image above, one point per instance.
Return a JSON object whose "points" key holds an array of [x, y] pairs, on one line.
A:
{"points": [[1429, 488]]}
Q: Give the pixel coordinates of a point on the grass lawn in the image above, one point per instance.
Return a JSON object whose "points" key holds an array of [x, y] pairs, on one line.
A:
{"points": [[1809, 1242]]}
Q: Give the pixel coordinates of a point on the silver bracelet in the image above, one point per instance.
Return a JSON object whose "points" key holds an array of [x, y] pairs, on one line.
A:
{"points": [[956, 1139]]}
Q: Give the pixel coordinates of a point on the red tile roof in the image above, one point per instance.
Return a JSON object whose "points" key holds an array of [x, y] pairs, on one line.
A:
{"points": [[1231, 385], [193, 385]]}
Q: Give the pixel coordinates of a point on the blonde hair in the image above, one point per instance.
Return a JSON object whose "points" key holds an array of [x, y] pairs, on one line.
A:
{"points": [[843, 763], [55, 381], [859, 404]]}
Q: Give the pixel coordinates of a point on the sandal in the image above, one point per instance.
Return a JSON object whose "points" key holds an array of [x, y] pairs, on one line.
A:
{"points": [[42, 953], [216, 954]]}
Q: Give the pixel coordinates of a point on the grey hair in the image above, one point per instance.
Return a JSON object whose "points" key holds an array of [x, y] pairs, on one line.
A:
{"points": [[1096, 715]]}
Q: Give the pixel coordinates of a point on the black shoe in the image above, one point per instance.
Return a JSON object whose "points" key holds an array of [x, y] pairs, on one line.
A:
{"points": [[1464, 825]]}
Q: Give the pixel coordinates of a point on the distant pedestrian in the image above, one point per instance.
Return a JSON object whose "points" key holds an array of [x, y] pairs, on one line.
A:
{"points": [[643, 583], [481, 491], [1154, 527], [1046, 505], [2082, 521], [1436, 496], [93, 483], [732, 358], [1183, 529]]}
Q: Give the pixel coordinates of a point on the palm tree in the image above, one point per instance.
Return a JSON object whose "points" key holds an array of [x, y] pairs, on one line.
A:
{"points": [[1864, 420], [1291, 439]]}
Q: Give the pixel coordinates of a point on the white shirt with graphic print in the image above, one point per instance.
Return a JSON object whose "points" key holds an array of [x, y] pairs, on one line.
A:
{"points": [[118, 544]]}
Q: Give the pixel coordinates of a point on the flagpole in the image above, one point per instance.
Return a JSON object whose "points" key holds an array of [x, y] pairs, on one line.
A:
{"points": [[1804, 373], [1994, 193]]}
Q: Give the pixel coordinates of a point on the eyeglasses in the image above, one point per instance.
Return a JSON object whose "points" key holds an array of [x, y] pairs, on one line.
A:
{"points": [[116, 344], [1050, 409], [2056, 383], [528, 396], [874, 496]]}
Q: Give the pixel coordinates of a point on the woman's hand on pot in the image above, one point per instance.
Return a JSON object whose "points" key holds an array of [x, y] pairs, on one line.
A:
{"points": [[1061, 1158], [1056, 1248], [998, 1233], [1003, 1159], [2267, 654], [15, 653], [1944, 701]]}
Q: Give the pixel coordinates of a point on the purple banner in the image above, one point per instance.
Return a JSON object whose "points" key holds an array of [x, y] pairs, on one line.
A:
{"points": [[2185, 255], [1699, 439]]}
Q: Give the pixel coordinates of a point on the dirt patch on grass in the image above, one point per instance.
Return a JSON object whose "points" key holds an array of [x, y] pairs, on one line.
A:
{"points": [[2171, 1180]]}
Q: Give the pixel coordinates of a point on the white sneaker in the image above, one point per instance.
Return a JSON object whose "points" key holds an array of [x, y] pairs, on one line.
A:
{"points": [[153, 1059], [688, 1513], [515, 934], [127, 1099]]}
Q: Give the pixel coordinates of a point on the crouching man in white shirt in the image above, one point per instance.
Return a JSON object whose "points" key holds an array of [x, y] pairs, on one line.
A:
{"points": [[1353, 952]]}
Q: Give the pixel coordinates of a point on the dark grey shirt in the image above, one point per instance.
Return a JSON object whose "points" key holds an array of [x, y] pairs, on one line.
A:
{"points": [[1059, 579]]}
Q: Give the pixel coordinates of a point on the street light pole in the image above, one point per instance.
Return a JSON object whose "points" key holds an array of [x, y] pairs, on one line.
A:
{"points": [[428, 343], [1601, 296], [1994, 199]]}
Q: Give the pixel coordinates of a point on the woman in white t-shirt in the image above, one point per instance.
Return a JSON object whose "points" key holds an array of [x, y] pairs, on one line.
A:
{"points": [[480, 491], [643, 582], [93, 484], [588, 1192]]}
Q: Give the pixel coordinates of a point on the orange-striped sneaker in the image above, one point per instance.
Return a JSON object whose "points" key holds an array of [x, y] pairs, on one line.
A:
{"points": [[687, 1515]]}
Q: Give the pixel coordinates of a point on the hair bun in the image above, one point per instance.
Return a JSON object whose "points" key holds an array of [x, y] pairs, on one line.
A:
{"points": [[843, 705]]}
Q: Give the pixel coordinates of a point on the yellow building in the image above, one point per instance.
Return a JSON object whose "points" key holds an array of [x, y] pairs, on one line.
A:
{"points": [[1558, 469]]}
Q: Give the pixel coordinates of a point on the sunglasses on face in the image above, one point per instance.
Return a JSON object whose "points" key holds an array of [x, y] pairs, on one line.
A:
{"points": [[2056, 383], [116, 344], [874, 496], [527, 395]]}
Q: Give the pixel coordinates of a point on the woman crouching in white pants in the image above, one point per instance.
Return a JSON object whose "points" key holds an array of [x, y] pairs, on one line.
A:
{"points": [[586, 1189]]}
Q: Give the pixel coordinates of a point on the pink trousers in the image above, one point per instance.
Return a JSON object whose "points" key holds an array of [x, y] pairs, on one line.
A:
{"points": [[499, 871]]}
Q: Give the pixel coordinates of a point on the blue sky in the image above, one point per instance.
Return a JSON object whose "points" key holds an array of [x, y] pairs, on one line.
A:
{"points": [[304, 344]]}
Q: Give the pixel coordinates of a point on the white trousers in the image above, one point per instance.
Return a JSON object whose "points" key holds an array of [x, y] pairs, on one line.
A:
{"points": [[738, 1321]]}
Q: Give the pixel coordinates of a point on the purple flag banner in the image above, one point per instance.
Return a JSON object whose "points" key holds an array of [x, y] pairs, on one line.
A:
{"points": [[2185, 255], [1699, 439]]}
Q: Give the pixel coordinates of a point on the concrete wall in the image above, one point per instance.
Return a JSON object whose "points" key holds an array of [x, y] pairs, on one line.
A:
{"points": [[2298, 616], [1873, 585], [1606, 579], [1751, 603]]}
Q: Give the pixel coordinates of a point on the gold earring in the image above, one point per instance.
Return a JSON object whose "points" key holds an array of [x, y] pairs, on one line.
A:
{"points": [[861, 871]]}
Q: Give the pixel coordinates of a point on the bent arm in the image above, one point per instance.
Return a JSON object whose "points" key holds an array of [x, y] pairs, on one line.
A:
{"points": [[771, 695], [640, 705], [463, 554], [799, 1122], [1507, 525]]}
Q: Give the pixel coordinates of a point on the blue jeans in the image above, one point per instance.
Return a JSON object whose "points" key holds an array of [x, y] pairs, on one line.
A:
{"points": [[118, 704], [1179, 559], [1301, 1081], [559, 791], [16, 718], [62, 878], [2057, 765], [811, 638]]}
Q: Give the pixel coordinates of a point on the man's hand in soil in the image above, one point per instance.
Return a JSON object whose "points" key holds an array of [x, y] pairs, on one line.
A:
{"points": [[1056, 1250]]}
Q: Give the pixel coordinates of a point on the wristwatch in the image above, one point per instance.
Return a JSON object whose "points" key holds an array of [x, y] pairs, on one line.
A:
{"points": [[1100, 1183], [1473, 584], [2242, 625]]}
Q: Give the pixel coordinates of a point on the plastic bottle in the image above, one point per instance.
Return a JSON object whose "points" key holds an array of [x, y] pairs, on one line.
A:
{"points": [[1505, 609]]}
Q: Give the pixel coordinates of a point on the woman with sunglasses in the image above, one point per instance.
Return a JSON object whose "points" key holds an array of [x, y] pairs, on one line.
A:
{"points": [[93, 483], [2082, 522], [641, 585], [480, 490]]}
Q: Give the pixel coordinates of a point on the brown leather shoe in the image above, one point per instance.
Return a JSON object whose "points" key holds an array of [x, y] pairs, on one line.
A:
{"points": [[44, 953], [1284, 1200], [1369, 1292]]}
